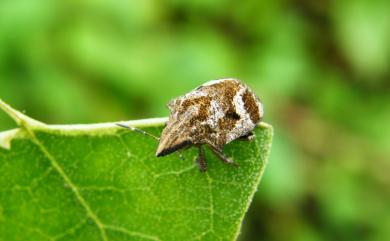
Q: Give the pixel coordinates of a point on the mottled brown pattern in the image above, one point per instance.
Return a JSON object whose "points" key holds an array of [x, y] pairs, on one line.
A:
{"points": [[225, 125], [204, 105], [203, 133], [230, 120], [226, 91], [251, 106]]}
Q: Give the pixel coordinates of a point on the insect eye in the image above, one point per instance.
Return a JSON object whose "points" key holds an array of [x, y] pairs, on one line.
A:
{"points": [[233, 115]]}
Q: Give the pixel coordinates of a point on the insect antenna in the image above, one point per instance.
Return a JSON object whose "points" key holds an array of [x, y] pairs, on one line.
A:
{"points": [[137, 130], [146, 134]]}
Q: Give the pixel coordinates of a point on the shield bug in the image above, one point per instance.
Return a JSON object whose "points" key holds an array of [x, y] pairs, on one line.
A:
{"points": [[213, 114]]}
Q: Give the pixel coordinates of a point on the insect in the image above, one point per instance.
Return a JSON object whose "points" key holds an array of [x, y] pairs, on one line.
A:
{"points": [[213, 114]]}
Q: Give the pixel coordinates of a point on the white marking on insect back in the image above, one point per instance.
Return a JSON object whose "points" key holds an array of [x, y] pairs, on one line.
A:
{"points": [[213, 82], [260, 108], [239, 103], [215, 113], [195, 94], [244, 124]]}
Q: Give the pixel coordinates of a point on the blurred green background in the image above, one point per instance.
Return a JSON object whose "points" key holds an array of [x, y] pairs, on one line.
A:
{"points": [[320, 67]]}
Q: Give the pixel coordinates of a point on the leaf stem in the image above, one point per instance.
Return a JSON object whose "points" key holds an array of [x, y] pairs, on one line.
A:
{"points": [[20, 118]]}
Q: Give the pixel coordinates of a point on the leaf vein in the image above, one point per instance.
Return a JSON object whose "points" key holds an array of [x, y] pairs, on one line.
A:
{"points": [[132, 233], [69, 182]]}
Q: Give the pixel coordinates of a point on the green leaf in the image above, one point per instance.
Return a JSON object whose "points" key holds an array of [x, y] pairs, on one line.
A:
{"points": [[103, 182]]}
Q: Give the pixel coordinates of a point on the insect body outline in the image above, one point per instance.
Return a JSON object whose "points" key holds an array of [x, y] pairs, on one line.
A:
{"points": [[212, 114]]}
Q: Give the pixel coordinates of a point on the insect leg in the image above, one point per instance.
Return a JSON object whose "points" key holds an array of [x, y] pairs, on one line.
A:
{"points": [[137, 130], [222, 156], [248, 137], [201, 159]]}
